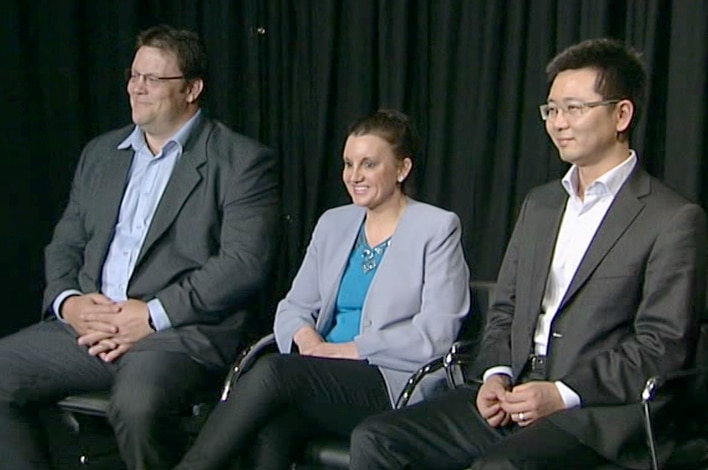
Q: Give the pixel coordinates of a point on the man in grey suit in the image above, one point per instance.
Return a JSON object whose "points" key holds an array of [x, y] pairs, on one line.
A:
{"points": [[154, 269], [601, 287]]}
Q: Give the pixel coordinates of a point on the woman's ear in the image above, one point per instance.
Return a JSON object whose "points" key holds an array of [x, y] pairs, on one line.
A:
{"points": [[405, 169]]}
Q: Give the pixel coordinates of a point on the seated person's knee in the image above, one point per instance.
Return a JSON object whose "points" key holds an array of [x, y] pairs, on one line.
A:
{"points": [[138, 404]]}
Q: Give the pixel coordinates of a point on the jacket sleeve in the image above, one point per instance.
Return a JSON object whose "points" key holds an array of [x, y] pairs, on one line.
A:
{"points": [[664, 329], [301, 306], [248, 210], [495, 349], [64, 255]]}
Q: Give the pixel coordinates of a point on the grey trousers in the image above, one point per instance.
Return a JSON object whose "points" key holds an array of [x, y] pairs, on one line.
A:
{"points": [[43, 363]]}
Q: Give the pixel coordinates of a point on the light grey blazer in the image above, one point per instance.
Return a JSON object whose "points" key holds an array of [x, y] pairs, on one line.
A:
{"points": [[415, 304]]}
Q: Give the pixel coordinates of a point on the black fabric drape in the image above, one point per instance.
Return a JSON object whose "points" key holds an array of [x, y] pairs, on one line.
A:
{"points": [[294, 73]]}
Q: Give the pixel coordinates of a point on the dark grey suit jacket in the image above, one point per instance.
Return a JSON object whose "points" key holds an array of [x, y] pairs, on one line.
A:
{"points": [[630, 311], [207, 251]]}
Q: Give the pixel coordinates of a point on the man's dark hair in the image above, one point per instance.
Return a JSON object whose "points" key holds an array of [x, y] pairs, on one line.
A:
{"points": [[186, 45], [620, 72]]}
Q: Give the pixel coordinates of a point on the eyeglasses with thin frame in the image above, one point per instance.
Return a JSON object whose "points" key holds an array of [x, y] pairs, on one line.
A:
{"points": [[150, 79], [571, 109]]}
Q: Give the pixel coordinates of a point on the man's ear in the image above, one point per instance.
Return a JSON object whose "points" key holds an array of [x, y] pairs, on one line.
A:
{"points": [[195, 88], [625, 114]]}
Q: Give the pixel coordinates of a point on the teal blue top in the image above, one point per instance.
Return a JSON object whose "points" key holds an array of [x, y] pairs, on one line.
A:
{"points": [[360, 270]]}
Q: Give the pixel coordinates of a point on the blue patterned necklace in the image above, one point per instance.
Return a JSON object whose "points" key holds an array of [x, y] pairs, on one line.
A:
{"points": [[370, 257]]}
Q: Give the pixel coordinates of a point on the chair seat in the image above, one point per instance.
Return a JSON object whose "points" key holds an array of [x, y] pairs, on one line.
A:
{"points": [[91, 403], [326, 452], [81, 413], [96, 404], [85, 415]]}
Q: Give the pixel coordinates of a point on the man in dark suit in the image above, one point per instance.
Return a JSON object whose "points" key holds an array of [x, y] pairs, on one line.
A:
{"points": [[153, 270], [601, 287]]}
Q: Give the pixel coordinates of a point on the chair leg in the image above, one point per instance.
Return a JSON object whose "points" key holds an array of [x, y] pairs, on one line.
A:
{"points": [[100, 458], [650, 436], [101, 451]]}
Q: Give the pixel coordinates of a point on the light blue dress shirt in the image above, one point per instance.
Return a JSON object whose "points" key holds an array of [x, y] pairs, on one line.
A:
{"points": [[147, 179]]}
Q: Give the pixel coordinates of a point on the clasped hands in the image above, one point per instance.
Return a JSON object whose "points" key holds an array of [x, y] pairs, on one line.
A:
{"points": [[522, 404], [311, 343], [106, 327]]}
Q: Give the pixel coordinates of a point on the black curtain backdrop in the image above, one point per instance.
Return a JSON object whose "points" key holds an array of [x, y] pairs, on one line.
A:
{"points": [[295, 73]]}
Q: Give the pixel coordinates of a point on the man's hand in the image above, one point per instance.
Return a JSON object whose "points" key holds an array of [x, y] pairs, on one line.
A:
{"points": [[131, 324], [90, 313], [489, 400], [108, 350], [334, 350], [531, 401]]}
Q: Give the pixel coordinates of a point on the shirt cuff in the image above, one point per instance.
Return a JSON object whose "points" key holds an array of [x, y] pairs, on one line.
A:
{"points": [[570, 398], [159, 317], [496, 370], [56, 305]]}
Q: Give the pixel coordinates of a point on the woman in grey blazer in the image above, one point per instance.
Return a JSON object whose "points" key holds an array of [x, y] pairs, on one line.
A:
{"points": [[382, 290]]}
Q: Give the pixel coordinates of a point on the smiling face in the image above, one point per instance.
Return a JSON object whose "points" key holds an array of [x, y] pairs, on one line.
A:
{"points": [[372, 174], [160, 107], [592, 137]]}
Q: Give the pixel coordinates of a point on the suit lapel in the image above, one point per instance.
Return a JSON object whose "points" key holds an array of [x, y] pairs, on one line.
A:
{"points": [[345, 234], [545, 217], [388, 266], [184, 179], [544, 236], [109, 199], [619, 217]]}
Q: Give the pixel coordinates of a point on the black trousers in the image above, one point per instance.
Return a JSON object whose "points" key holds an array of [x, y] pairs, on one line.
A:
{"points": [[43, 363], [284, 400], [447, 432]]}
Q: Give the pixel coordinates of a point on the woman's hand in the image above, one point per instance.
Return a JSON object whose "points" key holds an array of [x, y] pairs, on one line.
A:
{"points": [[307, 338], [311, 343], [334, 350]]}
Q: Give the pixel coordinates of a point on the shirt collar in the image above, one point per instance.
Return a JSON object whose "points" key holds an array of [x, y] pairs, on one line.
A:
{"points": [[609, 183], [136, 139]]}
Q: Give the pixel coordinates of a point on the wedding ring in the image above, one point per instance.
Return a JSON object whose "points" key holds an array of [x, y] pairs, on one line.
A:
{"points": [[522, 417]]}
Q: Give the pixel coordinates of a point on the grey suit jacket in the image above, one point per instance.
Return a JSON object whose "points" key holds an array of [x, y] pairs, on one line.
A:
{"points": [[416, 301], [630, 311], [208, 248]]}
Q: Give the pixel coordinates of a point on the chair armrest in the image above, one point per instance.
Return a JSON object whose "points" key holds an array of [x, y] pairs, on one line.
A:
{"points": [[650, 391], [655, 383], [460, 353], [415, 378], [463, 346], [245, 361]]}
